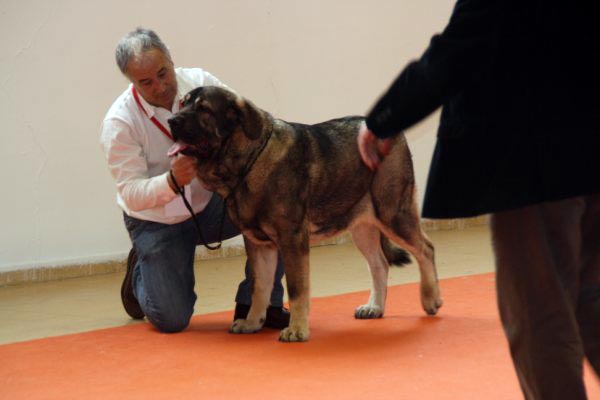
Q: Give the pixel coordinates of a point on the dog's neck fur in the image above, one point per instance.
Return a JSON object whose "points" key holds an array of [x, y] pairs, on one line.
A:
{"points": [[229, 174]]}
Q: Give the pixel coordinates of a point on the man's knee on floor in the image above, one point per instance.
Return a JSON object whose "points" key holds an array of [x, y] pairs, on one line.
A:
{"points": [[170, 323], [170, 317]]}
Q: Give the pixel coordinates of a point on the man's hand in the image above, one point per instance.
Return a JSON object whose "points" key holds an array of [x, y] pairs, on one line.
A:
{"points": [[184, 170], [372, 149]]}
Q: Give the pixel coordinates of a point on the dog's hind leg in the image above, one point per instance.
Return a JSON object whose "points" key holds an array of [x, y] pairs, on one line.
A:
{"points": [[263, 261], [405, 230], [395, 207], [430, 292], [367, 239]]}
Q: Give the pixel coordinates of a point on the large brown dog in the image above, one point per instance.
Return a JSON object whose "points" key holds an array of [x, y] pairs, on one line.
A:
{"points": [[288, 184]]}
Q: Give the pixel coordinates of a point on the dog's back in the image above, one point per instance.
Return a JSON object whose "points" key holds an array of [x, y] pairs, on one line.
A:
{"points": [[327, 163]]}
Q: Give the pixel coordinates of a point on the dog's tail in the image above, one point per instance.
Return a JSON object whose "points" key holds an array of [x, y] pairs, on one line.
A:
{"points": [[394, 254]]}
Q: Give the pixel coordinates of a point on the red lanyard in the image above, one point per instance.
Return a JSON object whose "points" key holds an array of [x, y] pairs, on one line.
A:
{"points": [[153, 119]]}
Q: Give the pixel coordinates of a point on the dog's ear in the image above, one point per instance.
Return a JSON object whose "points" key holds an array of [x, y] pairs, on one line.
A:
{"points": [[252, 118], [232, 119]]}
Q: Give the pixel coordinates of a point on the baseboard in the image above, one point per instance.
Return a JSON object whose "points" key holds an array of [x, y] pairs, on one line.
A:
{"points": [[457, 224], [44, 274]]}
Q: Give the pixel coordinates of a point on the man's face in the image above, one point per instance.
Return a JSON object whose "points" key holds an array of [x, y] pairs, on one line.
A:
{"points": [[153, 75]]}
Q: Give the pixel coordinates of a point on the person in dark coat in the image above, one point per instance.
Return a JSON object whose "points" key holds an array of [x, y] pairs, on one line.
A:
{"points": [[519, 138]]}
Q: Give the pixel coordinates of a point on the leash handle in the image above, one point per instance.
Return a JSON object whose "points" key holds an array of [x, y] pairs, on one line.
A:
{"points": [[201, 239]]}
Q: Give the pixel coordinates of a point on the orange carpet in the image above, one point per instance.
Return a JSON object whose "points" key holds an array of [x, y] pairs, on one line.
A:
{"points": [[460, 354]]}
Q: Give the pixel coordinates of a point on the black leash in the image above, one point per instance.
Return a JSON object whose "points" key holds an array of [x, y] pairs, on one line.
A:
{"points": [[201, 239], [181, 191]]}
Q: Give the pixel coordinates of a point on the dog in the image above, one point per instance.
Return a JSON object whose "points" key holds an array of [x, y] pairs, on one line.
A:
{"points": [[287, 185]]}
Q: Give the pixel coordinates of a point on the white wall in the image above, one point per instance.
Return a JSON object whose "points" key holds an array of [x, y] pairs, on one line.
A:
{"points": [[304, 61]]}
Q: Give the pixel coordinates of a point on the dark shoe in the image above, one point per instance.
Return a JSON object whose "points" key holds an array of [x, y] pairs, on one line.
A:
{"points": [[277, 317], [132, 307]]}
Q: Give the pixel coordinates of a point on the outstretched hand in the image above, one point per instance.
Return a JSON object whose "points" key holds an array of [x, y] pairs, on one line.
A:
{"points": [[372, 149]]}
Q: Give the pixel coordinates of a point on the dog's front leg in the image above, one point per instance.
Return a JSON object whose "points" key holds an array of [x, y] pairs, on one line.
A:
{"points": [[295, 251], [263, 262]]}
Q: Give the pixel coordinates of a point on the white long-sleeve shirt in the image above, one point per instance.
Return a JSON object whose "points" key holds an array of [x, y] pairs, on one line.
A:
{"points": [[136, 151]]}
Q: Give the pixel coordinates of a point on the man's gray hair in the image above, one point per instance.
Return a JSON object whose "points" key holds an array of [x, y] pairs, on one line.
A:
{"points": [[135, 43]]}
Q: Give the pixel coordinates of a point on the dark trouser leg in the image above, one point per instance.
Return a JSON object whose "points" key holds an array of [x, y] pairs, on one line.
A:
{"points": [[588, 306], [538, 261], [210, 221], [244, 294]]}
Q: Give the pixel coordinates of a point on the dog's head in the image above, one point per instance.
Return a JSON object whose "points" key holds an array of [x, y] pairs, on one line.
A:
{"points": [[209, 116]]}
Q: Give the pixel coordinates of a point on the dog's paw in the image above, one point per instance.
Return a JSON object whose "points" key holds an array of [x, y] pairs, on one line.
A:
{"points": [[244, 326], [431, 301], [432, 306], [294, 334], [367, 311]]}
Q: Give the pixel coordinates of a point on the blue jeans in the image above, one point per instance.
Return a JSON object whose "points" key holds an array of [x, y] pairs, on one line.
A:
{"points": [[163, 278]]}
